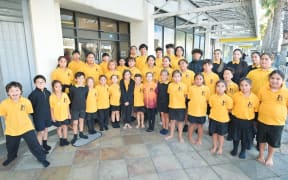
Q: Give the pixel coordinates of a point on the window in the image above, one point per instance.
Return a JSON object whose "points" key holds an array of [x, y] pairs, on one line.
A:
{"points": [[168, 36], [202, 43], [123, 28], [180, 39], [69, 46], [88, 22], [124, 49], [67, 19], [189, 46], [196, 41], [108, 25], [158, 36]]}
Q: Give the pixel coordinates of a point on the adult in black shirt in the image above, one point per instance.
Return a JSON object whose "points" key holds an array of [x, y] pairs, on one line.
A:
{"points": [[196, 65], [218, 64]]}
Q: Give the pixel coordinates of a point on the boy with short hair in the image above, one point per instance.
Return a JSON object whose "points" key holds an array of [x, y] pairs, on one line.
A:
{"points": [[104, 62], [78, 96], [159, 56], [39, 98], [210, 77], [141, 60], [16, 110]]}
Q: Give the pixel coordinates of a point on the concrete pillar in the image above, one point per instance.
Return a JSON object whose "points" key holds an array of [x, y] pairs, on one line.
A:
{"points": [[47, 35], [143, 31]]}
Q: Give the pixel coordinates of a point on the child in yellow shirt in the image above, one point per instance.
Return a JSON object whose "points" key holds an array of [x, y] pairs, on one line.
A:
{"points": [[220, 104], [177, 96], [112, 70], [179, 54], [210, 77], [166, 65], [131, 66], [91, 68], [141, 60], [271, 115], [245, 105], [198, 96], [121, 65], [151, 67], [159, 54], [16, 110], [115, 94], [76, 65], [60, 112], [139, 108], [104, 62], [91, 105]]}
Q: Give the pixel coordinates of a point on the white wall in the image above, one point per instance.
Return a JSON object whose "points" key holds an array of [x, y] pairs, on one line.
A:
{"points": [[47, 35]]}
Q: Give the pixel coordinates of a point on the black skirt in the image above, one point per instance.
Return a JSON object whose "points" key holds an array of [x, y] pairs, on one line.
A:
{"points": [[216, 127], [163, 107], [242, 130]]}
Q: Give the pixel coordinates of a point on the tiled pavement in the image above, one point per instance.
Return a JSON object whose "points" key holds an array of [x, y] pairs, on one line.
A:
{"points": [[135, 154]]}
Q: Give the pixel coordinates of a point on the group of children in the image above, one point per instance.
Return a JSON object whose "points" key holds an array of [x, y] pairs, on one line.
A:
{"points": [[85, 92]]}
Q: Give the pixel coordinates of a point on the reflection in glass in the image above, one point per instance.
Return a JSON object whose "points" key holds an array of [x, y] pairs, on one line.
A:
{"points": [[168, 36], [109, 47], [180, 39], [88, 22], [89, 46], [69, 46], [157, 36], [108, 25], [67, 19], [189, 46]]}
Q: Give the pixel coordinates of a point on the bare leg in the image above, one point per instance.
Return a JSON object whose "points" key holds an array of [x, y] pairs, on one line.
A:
{"points": [[75, 126], [190, 133], [215, 142], [81, 124], [65, 131], [166, 120], [180, 131], [59, 132], [45, 135], [117, 116], [172, 128], [200, 134], [138, 119], [260, 157], [269, 159], [113, 116], [221, 143], [142, 120]]}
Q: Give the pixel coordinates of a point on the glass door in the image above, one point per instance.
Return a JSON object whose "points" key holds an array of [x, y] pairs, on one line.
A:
{"points": [[109, 47], [86, 46]]}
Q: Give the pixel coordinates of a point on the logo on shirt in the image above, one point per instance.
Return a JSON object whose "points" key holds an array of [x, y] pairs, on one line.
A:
{"points": [[179, 88], [223, 103], [203, 93], [68, 74], [65, 100], [211, 81], [22, 107], [187, 76], [250, 104], [231, 90], [151, 89], [95, 94], [279, 98]]}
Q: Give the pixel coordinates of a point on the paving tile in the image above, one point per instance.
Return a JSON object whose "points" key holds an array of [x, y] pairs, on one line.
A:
{"points": [[113, 169], [134, 167], [175, 146], [62, 158], [227, 171], [171, 175], [53, 173], [145, 177], [29, 162], [6, 175], [213, 159], [190, 159], [85, 170], [26, 174], [153, 138], [135, 151], [82, 156], [112, 142], [132, 139], [111, 153], [156, 149], [280, 165], [133, 131], [202, 173], [166, 163]]}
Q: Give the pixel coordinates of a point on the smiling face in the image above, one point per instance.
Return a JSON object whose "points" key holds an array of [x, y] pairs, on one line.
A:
{"points": [[112, 65], [90, 59], [255, 59], [245, 87], [177, 77], [220, 88], [165, 63], [14, 93], [236, 55], [164, 76], [151, 61], [265, 62], [276, 81], [131, 63], [122, 62], [57, 88], [76, 56], [227, 75], [127, 75], [90, 82], [40, 83], [149, 77], [217, 55], [80, 80], [199, 80], [159, 54], [62, 63], [103, 80], [138, 80], [114, 79], [183, 65], [179, 52]]}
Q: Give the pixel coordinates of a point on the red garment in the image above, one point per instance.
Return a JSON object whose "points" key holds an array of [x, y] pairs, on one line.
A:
{"points": [[150, 95]]}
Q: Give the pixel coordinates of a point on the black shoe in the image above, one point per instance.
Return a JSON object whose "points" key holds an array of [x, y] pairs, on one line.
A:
{"points": [[45, 151], [149, 130], [92, 131], [74, 139], [46, 146], [45, 163], [81, 135], [61, 142], [185, 128], [234, 152], [8, 161], [65, 142], [242, 155], [117, 124], [133, 118], [106, 128], [101, 129]]}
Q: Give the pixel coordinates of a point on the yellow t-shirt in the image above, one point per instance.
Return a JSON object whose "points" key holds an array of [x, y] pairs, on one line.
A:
{"points": [[172, 59], [76, 66], [91, 101], [220, 106], [170, 71], [93, 71], [114, 93], [199, 96], [109, 73], [188, 77], [64, 76], [245, 107], [141, 62], [138, 96], [121, 70], [232, 88], [154, 70], [174, 62], [210, 81], [259, 78], [126, 84], [273, 106], [103, 98], [158, 62], [60, 106], [177, 95], [134, 71], [104, 66], [16, 116]]}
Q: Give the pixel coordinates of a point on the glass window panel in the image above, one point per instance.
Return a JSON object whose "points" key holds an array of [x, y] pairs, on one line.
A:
{"points": [[109, 47], [168, 36], [202, 43], [123, 28], [108, 25], [67, 19], [69, 46], [123, 37], [86, 46], [180, 39], [189, 46], [68, 32], [124, 49], [109, 36], [158, 36], [86, 34], [88, 22], [196, 41]]}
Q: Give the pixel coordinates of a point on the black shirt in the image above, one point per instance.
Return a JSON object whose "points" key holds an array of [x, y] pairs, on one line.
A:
{"points": [[40, 103], [78, 97], [240, 70], [196, 66], [127, 95], [219, 68], [163, 96]]}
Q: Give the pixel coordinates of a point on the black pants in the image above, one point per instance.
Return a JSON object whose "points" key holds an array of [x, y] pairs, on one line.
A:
{"points": [[151, 113], [12, 145], [90, 120], [126, 112], [103, 115]]}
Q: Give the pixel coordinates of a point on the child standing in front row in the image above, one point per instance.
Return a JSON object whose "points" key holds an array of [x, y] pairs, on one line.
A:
{"points": [[16, 110], [39, 98], [150, 100], [103, 102], [177, 96], [163, 100], [198, 96], [220, 104], [91, 105], [245, 104], [272, 115], [115, 94], [59, 103], [139, 108], [78, 95]]}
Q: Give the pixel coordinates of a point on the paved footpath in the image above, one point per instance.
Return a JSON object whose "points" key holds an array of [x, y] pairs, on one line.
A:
{"points": [[135, 154]]}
